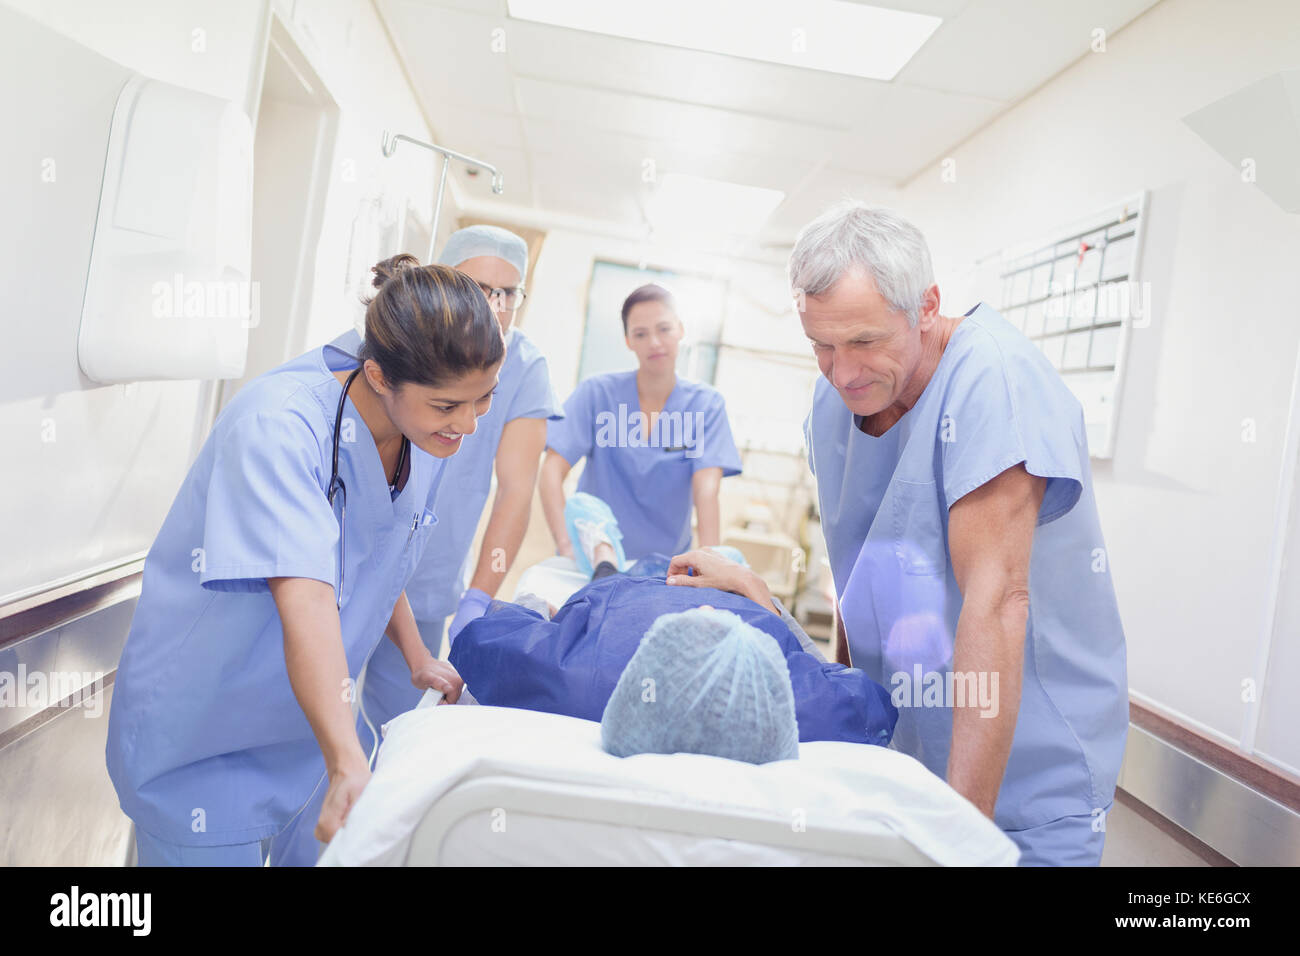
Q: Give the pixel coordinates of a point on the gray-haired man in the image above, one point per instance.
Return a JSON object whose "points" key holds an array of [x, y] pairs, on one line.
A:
{"points": [[956, 498]]}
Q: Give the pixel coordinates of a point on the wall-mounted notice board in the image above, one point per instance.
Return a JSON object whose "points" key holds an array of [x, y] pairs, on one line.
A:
{"points": [[1076, 294]]}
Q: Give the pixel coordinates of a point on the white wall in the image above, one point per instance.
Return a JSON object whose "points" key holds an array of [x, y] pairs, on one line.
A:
{"points": [[1187, 506], [98, 492]]}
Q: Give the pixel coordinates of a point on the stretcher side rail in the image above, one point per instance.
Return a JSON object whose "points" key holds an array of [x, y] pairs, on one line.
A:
{"points": [[867, 841]]}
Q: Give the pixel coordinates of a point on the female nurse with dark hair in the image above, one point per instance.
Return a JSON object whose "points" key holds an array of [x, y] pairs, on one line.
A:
{"points": [[280, 566], [656, 444]]}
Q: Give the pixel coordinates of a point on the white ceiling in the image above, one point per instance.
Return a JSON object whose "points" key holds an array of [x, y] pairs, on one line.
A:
{"points": [[571, 117]]}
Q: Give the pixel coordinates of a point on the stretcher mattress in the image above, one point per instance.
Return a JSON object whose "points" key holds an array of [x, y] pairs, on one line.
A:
{"points": [[499, 786]]}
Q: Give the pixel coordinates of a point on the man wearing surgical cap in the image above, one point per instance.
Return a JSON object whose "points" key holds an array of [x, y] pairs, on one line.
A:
{"points": [[509, 437]]}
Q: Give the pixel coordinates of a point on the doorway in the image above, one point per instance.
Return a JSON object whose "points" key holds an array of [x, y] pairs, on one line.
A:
{"points": [[297, 122]]}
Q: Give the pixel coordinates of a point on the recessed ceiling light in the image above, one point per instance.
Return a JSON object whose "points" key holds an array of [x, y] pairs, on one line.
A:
{"points": [[696, 205], [828, 35]]}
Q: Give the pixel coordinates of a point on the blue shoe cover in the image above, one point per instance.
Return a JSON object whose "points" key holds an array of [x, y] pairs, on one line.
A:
{"points": [[582, 506]]}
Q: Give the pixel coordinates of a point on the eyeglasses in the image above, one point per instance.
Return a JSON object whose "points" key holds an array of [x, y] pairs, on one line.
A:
{"points": [[511, 298]]}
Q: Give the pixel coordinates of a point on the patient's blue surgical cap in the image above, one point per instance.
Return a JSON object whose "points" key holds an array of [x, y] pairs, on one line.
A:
{"points": [[474, 241], [703, 681]]}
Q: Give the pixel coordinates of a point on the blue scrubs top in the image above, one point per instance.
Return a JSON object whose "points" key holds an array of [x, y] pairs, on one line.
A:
{"points": [[523, 391], [994, 401], [644, 474], [206, 742]]}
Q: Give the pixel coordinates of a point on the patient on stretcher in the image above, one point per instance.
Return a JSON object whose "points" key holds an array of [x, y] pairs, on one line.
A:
{"points": [[703, 682], [569, 663]]}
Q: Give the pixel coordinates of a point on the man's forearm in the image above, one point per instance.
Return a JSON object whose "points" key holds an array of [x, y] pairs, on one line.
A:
{"points": [[840, 649], [990, 647], [551, 491], [504, 534], [708, 523], [705, 487]]}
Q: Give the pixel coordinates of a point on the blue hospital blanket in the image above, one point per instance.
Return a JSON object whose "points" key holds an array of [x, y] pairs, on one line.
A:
{"points": [[514, 657]]}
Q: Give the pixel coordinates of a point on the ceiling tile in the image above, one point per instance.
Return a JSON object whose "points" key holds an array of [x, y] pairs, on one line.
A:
{"points": [[572, 117], [910, 128], [581, 185], [449, 56], [1005, 49], [668, 73], [701, 126], [814, 194]]}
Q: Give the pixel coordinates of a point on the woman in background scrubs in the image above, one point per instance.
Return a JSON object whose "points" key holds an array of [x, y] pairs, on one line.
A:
{"points": [[655, 443], [263, 597]]}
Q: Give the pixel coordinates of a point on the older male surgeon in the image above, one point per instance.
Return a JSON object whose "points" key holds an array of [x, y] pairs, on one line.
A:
{"points": [[956, 497]]}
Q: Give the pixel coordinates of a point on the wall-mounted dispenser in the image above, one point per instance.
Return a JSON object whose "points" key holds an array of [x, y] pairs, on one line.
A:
{"points": [[169, 295]]}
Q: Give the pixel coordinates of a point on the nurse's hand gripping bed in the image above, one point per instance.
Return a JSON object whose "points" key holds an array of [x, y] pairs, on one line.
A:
{"points": [[502, 786]]}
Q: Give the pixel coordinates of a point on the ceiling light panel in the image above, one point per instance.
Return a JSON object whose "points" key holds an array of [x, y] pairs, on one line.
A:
{"points": [[829, 35]]}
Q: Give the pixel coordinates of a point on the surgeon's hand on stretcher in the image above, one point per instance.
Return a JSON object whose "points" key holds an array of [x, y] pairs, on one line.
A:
{"points": [[703, 568], [438, 675], [350, 777], [346, 783]]}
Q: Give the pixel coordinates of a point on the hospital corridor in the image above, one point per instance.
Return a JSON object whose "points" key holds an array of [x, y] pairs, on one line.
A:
{"points": [[699, 433]]}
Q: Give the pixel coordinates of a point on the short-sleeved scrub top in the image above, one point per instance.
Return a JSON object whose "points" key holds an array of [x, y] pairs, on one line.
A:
{"points": [[206, 742], [994, 402], [523, 391], [643, 473]]}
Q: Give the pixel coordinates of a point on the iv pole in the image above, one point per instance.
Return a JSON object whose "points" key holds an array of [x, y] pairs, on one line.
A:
{"points": [[389, 146]]}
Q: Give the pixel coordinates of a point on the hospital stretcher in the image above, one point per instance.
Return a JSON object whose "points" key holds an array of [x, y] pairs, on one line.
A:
{"points": [[501, 786]]}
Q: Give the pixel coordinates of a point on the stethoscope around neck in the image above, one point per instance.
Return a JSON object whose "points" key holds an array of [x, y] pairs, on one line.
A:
{"points": [[337, 487]]}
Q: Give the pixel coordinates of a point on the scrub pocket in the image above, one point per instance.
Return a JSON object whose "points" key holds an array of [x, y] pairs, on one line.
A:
{"points": [[919, 543], [416, 540]]}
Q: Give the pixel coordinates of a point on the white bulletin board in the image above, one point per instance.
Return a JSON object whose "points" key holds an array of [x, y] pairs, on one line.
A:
{"points": [[1075, 294]]}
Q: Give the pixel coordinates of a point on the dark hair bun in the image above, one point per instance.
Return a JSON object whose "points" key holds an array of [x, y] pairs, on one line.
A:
{"points": [[391, 267], [428, 324]]}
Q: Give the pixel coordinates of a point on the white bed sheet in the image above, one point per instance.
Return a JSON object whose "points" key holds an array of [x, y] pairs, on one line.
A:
{"points": [[553, 579], [546, 841], [428, 753]]}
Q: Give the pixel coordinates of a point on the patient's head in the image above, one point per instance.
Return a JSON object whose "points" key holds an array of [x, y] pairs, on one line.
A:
{"points": [[705, 682]]}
